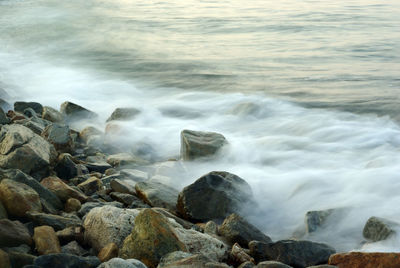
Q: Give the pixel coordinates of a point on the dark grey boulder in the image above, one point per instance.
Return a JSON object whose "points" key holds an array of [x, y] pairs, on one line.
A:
{"points": [[123, 114], [55, 221], [126, 199], [59, 135], [198, 144], [237, 230], [62, 260], [296, 253], [214, 196], [13, 233], [46, 196], [75, 111], [67, 169], [20, 106], [377, 229], [98, 167]]}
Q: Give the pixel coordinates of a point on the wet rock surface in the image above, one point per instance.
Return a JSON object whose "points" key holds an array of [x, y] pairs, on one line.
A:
{"points": [[197, 144]]}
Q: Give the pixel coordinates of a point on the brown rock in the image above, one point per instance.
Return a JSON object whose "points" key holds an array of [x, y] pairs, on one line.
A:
{"points": [[18, 198], [4, 260], [13, 233], [108, 252], [72, 205], [62, 190], [90, 186], [365, 260], [46, 240]]}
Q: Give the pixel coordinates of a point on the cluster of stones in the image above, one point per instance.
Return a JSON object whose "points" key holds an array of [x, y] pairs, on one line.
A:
{"points": [[67, 199]]}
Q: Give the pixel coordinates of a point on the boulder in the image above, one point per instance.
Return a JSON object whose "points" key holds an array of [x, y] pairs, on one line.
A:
{"points": [[72, 205], [121, 263], [59, 136], [20, 106], [88, 206], [46, 196], [66, 167], [76, 112], [19, 198], [237, 230], [46, 240], [365, 260], [157, 194], [108, 252], [296, 253], [52, 115], [108, 224], [90, 186], [197, 144], [62, 260], [213, 196], [3, 211], [55, 221], [4, 260], [123, 114], [151, 238], [62, 190], [272, 264], [122, 187], [13, 233], [377, 229], [74, 248], [22, 149]]}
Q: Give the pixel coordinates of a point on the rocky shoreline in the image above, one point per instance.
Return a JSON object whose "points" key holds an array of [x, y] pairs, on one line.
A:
{"points": [[69, 198]]}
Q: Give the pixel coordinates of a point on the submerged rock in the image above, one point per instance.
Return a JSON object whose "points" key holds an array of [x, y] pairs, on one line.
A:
{"points": [[123, 114], [365, 260], [75, 111], [377, 229], [22, 149], [295, 253], [214, 196], [197, 144], [237, 230]]}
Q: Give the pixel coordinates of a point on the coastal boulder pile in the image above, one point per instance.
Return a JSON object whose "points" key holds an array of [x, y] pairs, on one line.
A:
{"points": [[69, 198]]}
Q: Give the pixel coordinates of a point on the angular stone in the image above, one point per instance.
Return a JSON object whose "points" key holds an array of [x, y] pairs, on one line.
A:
{"points": [[59, 136], [108, 224], [46, 240], [365, 260], [377, 229], [4, 260], [13, 233], [62, 260], [197, 144], [72, 205], [213, 196], [126, 199], [157, 194], [46, 196], [20, 106], [67, 169], [121, 263], [122, 187], [91, 185], [74, 248], [98, 167], [52, 115], [22, 149], [76, 112], [123, 114], [295, 253], [272, 264], [19, 198], [237, 230], [91, 205], [151, 238], [108, 252], [62, 190], [55, 221]]}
